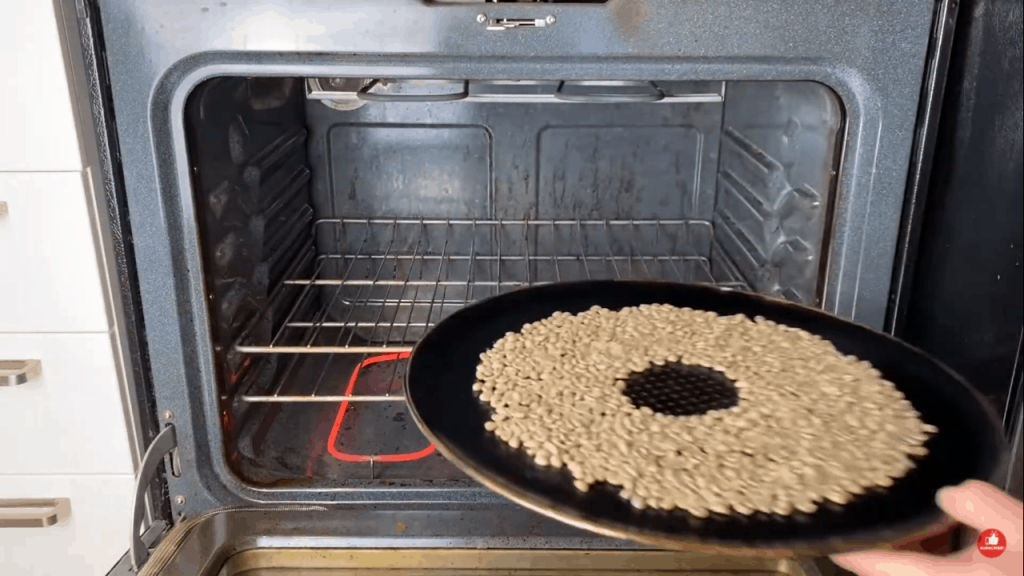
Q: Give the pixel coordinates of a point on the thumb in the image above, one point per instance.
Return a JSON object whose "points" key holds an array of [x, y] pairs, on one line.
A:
{"points": [[890, 564], [983, 506]]}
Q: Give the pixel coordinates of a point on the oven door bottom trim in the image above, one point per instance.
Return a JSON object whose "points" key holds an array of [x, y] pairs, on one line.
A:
{"points": [[347, 540]]}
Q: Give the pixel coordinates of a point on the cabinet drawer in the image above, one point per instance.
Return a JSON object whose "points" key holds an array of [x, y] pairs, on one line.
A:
{"points": [[50, 273], [87, 541], [39, 132], [69, 418]]}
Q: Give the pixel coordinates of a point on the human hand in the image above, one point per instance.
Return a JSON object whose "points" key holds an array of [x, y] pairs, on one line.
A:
{"points": [[973, 503]]}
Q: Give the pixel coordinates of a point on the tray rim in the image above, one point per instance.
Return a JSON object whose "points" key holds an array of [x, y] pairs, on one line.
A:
{"points": [[933, 522]]}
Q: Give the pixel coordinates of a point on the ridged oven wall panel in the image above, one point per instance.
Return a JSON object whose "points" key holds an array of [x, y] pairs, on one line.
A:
{"points": [[775, 181]]}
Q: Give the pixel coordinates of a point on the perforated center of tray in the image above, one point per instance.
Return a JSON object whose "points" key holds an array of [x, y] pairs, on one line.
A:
{"points": [[677, 389]]}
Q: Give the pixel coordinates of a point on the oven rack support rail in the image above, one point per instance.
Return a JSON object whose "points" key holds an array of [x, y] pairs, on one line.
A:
{"points": [[384, 282]]}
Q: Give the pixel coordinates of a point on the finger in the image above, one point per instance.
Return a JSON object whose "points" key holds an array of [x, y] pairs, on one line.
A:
{"points": [[891, 564], [983, 506]]}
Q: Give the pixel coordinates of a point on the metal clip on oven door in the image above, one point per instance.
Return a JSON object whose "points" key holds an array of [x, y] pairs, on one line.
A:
{"points": [[413, 91], [609, 91], [501, 24]]}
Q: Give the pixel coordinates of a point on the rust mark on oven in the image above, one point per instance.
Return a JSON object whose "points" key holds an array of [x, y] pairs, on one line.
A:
{"points": [[401, 527], [630, 14]]}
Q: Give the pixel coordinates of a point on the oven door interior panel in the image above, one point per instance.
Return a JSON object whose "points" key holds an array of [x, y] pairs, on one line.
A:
{"points": [[291, 247]]}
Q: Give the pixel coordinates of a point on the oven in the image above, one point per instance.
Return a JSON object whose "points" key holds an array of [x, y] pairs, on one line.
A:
{"points": [[300, 190]]}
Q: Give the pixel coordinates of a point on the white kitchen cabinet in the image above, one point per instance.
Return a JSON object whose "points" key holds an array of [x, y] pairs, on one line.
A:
{"points": [[38, 131], [68, 419], [87, 542], [63, 436], [49, 272]]}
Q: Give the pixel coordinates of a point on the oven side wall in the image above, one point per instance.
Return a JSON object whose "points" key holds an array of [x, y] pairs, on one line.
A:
{"points": [[159, 51]]}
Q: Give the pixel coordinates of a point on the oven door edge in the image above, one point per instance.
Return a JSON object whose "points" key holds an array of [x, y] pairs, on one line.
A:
{"points": [[83, 51]]}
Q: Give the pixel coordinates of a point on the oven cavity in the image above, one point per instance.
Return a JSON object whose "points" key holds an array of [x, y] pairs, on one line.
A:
{"points": [[341, 218]]}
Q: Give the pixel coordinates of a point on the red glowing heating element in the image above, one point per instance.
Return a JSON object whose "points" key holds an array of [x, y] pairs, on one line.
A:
{"points": [[332, 440]]}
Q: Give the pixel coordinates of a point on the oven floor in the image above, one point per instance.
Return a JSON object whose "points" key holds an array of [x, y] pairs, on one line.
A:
{"points": [[331, 443]]}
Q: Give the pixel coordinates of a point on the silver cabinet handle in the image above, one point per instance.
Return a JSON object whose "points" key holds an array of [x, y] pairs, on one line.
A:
{"points": [[38, 513], [18, 372]]}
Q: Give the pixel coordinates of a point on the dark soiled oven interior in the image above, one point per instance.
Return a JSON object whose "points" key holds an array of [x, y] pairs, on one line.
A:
{"points": [[340, 218]]}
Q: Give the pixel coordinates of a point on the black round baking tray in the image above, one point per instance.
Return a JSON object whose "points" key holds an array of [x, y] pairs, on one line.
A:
{"points": [[441, 372]]}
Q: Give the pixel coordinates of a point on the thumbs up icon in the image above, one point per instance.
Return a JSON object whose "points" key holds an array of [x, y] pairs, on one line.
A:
{"points": [[992, 539]]}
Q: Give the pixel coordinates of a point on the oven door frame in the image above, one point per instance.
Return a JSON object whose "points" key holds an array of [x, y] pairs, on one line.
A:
{"points": [[142, 58]]}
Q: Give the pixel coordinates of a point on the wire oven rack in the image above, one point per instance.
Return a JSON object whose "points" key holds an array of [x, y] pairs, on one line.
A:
{"points": [[380, 283]]}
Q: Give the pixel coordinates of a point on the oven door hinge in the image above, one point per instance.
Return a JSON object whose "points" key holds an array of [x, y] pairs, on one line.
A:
{"points": [[165, 445]]}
